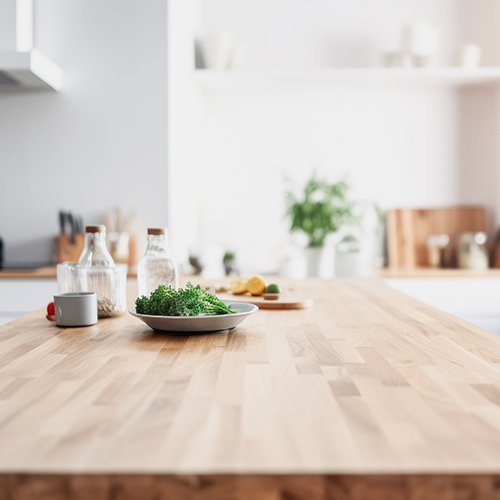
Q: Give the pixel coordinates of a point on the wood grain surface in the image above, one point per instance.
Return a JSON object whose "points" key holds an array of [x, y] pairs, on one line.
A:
{"points": [[368, 381], [45, 272], [286, 300], [41, 272], [248, 487]]}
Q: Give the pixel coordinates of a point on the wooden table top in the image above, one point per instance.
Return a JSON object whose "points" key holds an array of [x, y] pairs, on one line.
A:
{"points": [[366, 381], [45, 272], [40, 272]]}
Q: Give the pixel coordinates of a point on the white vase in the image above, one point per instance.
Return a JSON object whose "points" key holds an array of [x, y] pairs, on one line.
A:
{"points": [[347, 265], [314, 261], [216, 48]]}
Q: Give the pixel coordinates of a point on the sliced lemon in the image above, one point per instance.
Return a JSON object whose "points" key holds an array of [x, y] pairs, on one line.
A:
{"points": [[238, 287], [256, 285]]}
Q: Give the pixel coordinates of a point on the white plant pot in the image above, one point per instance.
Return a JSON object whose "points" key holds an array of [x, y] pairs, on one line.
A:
{"points": [[347, 265], [314, 261]]}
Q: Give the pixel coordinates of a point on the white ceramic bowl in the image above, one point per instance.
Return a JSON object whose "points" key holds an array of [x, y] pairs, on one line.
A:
{"points": [[186, 325]]}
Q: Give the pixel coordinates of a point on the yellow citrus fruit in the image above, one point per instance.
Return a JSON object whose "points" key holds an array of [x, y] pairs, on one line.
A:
{"points": [[238, 287], [256, 285]]}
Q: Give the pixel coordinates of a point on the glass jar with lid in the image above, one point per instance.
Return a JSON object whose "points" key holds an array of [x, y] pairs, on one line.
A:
{"points": [[96, 272], [95, 253], [157, 267], [473, 252]]}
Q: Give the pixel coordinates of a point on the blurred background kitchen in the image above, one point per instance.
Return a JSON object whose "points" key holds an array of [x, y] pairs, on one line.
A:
{"points": [[277, 137]]}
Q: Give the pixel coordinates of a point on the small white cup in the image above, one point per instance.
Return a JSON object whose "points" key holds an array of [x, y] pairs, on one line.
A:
{"points": [[216, 50], [420, 39], [469, 56], [76, 309], [397, 60]]}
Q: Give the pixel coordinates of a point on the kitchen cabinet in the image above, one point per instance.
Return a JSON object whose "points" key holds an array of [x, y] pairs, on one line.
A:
{"points": [[20, 296], [475, 299], [369, 390]]}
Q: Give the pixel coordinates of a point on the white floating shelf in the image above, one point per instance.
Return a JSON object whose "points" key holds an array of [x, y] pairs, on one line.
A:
{"points": [[223, 80], [29, 70]]}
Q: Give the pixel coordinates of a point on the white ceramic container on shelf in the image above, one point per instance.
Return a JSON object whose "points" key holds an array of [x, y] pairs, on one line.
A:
{"points": [[420, 39], [216, 50], [469, 56]]}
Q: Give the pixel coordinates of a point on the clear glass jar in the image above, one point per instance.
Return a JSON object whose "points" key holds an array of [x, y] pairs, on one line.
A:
{"points": [[157, 267], [95, 253], [110, 285], [96, 272], [473, 252]]}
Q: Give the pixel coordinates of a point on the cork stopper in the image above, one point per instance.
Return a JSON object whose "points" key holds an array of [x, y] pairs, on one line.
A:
{"points": [[157, 230], [95, 229]]}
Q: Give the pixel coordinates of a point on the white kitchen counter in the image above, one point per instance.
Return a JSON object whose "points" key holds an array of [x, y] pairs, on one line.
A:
{"points": [[20, 296], [474, 299]]}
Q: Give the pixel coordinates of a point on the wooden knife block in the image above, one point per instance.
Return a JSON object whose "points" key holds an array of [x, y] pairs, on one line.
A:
{"points": [[67, 251]]}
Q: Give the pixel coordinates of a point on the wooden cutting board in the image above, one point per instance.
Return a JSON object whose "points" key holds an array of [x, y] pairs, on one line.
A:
{"points": [[408, 229], [288, 301]]}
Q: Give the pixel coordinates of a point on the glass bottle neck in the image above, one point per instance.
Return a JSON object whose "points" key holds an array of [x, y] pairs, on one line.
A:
{"points": [[95, 252], [157, 243], [95, 240]]}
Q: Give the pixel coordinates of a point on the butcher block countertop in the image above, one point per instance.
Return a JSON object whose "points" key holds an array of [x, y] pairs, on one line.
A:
{"points": [[44, 272], [367, 382], [40, 272]]}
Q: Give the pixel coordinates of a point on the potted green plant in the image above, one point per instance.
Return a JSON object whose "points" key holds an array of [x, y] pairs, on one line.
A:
{"points": [[322, 210]]}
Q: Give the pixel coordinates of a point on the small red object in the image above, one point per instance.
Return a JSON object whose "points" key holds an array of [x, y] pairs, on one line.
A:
{"points": [[51, 310]]}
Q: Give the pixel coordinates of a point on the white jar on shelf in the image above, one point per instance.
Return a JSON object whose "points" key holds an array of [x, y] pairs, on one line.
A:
{"points": [[421, 41]]}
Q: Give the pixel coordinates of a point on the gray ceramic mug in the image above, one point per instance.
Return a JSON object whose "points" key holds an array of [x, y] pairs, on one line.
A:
{"points": [[76, 309]]}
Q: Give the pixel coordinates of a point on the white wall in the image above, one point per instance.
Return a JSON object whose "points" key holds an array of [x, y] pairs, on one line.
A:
{"points": [[185, 152], [419, 147], [325, 33], [479, 166], [479, 113], [479, 23], [8, 25], [398, 147], [103, 140], [99, 143]]}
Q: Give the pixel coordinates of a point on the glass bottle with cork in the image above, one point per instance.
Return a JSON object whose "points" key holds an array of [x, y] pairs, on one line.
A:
{"points": [[95, 253], [98, 273], [157, 267]]}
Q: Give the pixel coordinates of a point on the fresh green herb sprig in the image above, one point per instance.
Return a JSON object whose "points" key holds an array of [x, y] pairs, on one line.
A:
{"points": [[190, 301]]}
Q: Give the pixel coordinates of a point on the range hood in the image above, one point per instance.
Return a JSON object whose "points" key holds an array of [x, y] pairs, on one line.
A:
{"points": [[30, 70], [26, 66]]}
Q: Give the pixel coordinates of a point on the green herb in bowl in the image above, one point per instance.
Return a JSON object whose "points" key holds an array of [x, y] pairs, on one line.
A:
{"points": [[189, 301]]}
